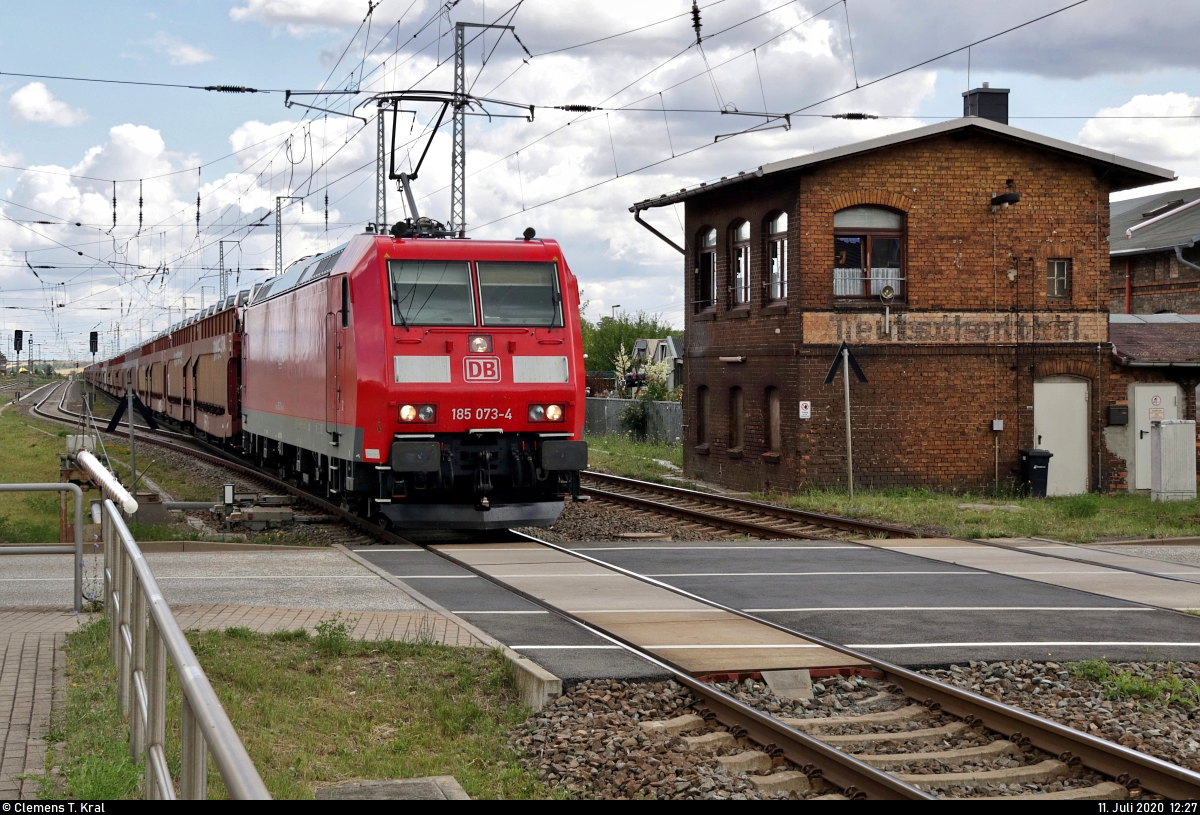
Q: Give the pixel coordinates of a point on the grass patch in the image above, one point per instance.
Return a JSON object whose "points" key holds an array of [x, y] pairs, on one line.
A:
{"points": [[94, 747], [622, 455], [1078, 518], [313, 711], [1160, 690], [29, 451]]}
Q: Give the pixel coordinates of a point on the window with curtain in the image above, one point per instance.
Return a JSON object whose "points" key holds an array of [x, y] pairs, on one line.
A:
{"points": [[868, 252], [741, 263], [777, 249]]}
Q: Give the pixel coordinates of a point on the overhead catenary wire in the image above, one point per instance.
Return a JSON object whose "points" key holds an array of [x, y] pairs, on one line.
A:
{"points": [[661, 110]]}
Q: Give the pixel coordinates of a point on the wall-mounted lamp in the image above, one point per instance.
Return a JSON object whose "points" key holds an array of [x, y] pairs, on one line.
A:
{"points": [[886, 295], [1004, 199]]}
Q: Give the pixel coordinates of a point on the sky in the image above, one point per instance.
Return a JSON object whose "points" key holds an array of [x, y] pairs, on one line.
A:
{"points": [[1109, 74]]}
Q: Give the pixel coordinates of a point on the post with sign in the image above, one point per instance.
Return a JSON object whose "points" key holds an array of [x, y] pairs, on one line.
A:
{"points": [[844, 356]]}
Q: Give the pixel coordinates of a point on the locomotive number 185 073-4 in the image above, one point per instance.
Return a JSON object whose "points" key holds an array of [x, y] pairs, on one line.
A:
{"points": [[480, 413]]}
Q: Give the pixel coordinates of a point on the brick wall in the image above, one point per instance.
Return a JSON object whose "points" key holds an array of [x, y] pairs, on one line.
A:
{"points": [[924, 418], [1158, 282]]}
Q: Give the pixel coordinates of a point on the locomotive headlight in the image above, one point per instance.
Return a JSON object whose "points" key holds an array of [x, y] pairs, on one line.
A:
{"points": [[418, 413], [545, 413], [480, 344]]}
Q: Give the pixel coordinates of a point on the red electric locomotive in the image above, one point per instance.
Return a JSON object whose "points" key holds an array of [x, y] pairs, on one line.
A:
{"points": [[422, 382]]}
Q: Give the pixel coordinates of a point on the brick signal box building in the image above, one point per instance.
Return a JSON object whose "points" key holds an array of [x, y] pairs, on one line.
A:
{"points": [[967, 267]]}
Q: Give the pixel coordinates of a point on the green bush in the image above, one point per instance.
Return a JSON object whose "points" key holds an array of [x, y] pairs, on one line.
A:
{"points": [[333, 635], [636, 418]]}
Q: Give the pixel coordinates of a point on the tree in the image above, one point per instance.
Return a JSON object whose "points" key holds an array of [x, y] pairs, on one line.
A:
{"points": [[602, 340]]}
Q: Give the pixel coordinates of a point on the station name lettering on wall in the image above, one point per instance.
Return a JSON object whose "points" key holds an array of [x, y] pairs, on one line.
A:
{"points": [[950, 327]]}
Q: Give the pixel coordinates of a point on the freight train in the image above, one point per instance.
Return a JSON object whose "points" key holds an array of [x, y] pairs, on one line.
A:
{"points": [[420, 382]]}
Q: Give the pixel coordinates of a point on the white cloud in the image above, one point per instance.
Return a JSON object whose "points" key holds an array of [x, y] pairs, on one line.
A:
{"points": [[179, 52], [1170, 143], [35, 103], [303, 17]]}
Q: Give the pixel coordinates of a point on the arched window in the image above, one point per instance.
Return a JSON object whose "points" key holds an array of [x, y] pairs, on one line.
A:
{"points": [[706, 270], [868, 252], [740, 263], [777, 248], [737, 418], [702, 424], [773, 420]]}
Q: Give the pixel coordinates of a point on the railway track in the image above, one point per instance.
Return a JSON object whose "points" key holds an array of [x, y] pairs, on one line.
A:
{"points": [[733, 514], [885, 745], [889, 744]]}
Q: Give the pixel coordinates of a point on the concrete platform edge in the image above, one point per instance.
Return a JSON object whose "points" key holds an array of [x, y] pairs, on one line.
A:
{"points": [[537, 686]]}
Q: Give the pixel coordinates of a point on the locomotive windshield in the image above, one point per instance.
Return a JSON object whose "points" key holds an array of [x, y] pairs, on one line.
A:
{"points": [[524, 294], [431, 292]]}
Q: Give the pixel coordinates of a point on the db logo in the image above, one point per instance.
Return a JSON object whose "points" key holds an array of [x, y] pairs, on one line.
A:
{"points": [[481, 369]]}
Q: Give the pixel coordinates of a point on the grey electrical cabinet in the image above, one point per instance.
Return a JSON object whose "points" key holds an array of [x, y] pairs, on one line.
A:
{"points": [[1173, 460]]}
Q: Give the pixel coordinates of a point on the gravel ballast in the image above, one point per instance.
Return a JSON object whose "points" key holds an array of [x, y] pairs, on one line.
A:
{"points": [[1169, 731]]}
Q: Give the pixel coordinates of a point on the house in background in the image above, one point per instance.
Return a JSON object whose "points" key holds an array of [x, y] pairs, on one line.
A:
{"points": [[1154, 246], [964, 263], [669, 349]]}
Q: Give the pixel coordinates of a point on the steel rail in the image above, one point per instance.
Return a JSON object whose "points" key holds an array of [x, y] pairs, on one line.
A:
{"points": [[698, 516], [814, 757], [741, 504], [1107, 757]]}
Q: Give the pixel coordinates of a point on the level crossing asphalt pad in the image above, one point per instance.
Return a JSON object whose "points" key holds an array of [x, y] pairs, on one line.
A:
{"points": [[693, 635], [1103, 573]]}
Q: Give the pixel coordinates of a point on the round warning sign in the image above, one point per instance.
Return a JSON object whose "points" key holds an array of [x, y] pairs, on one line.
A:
{"points": [[1156, 400]]}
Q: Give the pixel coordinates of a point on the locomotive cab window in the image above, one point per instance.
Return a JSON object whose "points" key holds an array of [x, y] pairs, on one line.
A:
{"points": [[524, 294], [431, 292]]}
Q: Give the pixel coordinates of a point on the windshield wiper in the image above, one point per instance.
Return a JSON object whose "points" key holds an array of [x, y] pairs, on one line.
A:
{"points": [[400, 312]]}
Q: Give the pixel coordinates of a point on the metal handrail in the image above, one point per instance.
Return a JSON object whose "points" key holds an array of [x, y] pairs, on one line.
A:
{"points": [[143, 635], [77, 550]]}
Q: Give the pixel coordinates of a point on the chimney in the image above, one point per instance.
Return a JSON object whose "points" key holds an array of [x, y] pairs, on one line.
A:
{"points": [[987, 103]]}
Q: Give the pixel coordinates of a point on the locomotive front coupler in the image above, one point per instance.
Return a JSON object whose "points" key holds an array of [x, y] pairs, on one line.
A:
{"points": [[483, 482]]}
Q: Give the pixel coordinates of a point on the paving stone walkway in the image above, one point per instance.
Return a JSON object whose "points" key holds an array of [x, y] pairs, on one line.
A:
{"points": [[31, 687], [409, 626]]}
